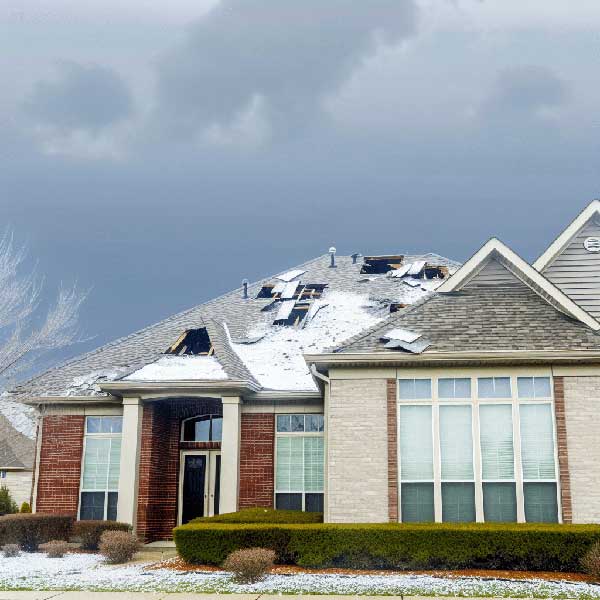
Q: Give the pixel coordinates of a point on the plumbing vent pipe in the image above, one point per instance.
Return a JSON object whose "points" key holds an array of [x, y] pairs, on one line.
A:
{"points": [[245, 286], [332, 252]]}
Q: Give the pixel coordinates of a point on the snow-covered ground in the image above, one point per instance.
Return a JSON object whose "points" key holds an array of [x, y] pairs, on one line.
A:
{"points": [[88, 572]]}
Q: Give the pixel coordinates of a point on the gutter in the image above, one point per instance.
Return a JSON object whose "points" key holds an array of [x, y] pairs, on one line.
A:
{"points": [[37, 400], [153, 386]]}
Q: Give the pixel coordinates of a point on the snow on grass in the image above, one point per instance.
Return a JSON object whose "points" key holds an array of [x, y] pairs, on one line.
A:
{"points": [[20, 416], [276, 360], [180, 368], [88, 572]]}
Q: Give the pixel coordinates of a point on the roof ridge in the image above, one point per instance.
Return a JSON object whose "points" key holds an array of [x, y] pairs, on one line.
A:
{"points": [[85, 355]]}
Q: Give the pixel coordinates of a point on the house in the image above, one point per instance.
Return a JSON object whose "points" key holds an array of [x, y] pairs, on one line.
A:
{"points": [[17, 449], [375, 388]]}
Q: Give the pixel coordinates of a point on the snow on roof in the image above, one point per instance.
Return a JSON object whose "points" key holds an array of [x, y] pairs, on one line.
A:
{"points": [[20, 416], [403, 335], [180, 368]]}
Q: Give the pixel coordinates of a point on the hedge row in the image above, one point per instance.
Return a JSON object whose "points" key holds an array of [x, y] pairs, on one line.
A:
{"points": [[30, 530], [263, 515], [396, 546]]}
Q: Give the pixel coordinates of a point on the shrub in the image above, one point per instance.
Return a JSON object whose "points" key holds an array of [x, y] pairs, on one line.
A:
{"points": [[25, 508], [11, 550], [118, 546], [31, 530], [264, 515], [591, 561], [90, 532], [7, 505], [55, 548], [536, 547], [250, 565]]}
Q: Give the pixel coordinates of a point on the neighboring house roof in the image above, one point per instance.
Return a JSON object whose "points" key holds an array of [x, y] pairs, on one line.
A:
{"points": [[496, 302], [247, 346], [17, 451]]}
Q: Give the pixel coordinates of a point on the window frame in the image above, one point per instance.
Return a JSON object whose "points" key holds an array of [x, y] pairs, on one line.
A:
{"points": [[98, 435], [476, 402], [292, 434], [209, 416]]}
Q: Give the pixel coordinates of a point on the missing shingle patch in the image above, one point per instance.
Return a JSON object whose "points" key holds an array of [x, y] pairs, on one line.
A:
{"points": [[192, 341]]}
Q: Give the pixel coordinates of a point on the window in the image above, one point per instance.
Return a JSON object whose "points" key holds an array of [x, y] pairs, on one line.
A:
{"points": [[207, 428], [100, 472], [534, 387], [454, 388], [2, 474], [414, 389], [299, 470], [483, 456], [494, 387], [416, 464]]}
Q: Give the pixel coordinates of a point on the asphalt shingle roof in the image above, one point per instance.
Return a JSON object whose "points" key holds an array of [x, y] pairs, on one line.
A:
{"points": [[16, 450]]}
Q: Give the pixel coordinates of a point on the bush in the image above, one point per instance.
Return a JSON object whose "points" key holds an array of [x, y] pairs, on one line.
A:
{"points": [[591, 561], [118, 546], [11, 550], [90, 532], [249, 565], [25, 508], [31, 530], [7, 505], [263, 515], [535, 547], [55, 548]]}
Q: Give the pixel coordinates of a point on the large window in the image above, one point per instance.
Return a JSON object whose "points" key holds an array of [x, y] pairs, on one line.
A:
{"points": [[300, 461], [477, 449], [100, 472], [206, 428]]}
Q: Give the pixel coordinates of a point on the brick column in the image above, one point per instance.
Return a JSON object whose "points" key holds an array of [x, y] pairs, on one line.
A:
{"points": [[60, 464], [563, 454], [392, 432]]}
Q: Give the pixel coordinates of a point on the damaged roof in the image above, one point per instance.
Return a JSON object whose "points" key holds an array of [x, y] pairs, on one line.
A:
{"points": [[17, 451], [247, 345]]}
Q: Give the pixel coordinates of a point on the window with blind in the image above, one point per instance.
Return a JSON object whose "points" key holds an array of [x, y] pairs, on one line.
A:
{"points": [[416, 464], [463, 457], [100, 470], [299, 459]]}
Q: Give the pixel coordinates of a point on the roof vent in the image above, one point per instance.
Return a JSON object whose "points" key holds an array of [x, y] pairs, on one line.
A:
{"points": [[332, 252], [355, 257], [245, 286]]}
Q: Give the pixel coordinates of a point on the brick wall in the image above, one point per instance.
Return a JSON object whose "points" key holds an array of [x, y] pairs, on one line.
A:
{"points": [[563, 454], [257, 460], [392, 436], [357, 467], [582, 417], [60, 464], [158, 487]]}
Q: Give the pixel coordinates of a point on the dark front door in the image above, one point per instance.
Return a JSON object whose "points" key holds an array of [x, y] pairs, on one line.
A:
{"points": [[194, 487]]}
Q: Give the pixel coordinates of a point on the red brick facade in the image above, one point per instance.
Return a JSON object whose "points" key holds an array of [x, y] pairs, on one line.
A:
{"points": [[60, 464], [392, 431], [563, 455], [257, 460]]}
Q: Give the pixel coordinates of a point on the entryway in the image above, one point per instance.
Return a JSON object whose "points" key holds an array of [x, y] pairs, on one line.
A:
{"points": [[199, 484]]}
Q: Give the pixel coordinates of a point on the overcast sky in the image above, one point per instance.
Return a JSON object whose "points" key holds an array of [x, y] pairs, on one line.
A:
{"points": [[159, 152]]}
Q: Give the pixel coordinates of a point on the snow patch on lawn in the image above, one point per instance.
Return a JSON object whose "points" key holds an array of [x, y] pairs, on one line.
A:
{"points": [[180, 368], [89, 572]]}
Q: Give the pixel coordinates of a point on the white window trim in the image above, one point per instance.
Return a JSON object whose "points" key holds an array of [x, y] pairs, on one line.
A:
{"points": [[475, 402], [105, 491], [280, 434], [182, 426]]}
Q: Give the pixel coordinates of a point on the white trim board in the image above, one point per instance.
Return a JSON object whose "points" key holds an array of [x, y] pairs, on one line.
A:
{"points": [[525, 272], [558, 245]]}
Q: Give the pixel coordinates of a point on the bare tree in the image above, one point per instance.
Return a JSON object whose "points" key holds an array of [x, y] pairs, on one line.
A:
{"points": [[27, 332]]}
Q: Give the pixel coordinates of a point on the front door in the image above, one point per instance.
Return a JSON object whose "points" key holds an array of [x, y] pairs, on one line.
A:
{"points": [[199, 484]]}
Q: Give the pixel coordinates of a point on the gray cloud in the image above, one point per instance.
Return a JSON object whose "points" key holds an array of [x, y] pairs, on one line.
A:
{"points": [[286, 55], [89, 97], [524, 92]]}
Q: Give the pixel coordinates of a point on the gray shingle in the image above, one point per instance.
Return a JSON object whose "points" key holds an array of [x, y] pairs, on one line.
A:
{"points": [[16, 450]]}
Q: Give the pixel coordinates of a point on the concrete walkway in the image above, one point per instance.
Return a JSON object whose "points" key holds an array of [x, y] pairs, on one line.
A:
{"points": [[186, 596]]}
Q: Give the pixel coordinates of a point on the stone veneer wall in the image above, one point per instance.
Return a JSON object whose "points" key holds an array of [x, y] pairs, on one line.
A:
{"points": [[60, 464], [582, 416], [357, 451]]}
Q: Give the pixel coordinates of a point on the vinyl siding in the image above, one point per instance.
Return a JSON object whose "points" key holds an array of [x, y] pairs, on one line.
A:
{"points": [[492, 273], [576, 271]]}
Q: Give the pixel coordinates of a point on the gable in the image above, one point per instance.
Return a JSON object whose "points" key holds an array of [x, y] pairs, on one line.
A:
{"points": [[492, 273], [576, 269]]}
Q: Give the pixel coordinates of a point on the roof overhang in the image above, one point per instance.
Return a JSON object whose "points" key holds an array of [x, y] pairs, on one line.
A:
{"points": [[38, 400], [559, 244], [524, 271], [397, 359], [121, 388]]}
